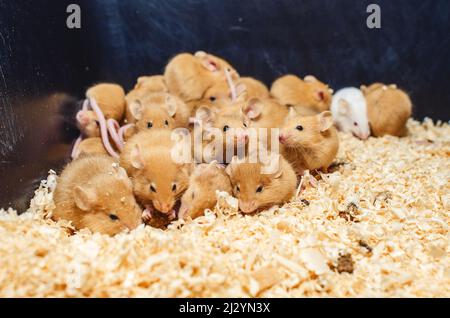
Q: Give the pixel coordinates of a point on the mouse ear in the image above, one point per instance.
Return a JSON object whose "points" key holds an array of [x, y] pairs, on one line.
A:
{"points": [[292, 112], [242, 94], [343, 107], [229, 169], [171, 105], [207, 61], [84, 197], [310, 79], [241, 88], [325, 120], [205, 114], [272, 166], [253, 108], [136, 157], [136, 109], [319, 95]]}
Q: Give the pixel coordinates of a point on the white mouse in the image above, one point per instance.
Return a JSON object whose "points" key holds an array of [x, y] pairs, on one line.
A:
{"points": [[349, 109]]}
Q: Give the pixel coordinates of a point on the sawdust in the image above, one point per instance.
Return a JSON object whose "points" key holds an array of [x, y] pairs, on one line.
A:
{"points": [[396, 191]]}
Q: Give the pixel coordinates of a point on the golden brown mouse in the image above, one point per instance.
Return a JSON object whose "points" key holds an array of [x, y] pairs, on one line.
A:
{"points": [[258, 185], [152, 84], [200, 195], [90, 146], [291, 90], [228, 123], [189, 76], [309, 142], [159, 111], [110, 99], [158, 180], [95, 193], [388, 109], [221, 92]]}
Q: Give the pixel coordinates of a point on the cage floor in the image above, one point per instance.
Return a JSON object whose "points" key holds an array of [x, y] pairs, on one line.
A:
{"points": [[377, 225]]}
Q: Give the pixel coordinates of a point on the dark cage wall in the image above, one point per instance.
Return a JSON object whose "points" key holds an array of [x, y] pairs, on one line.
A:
{"points": [[45, 67]]}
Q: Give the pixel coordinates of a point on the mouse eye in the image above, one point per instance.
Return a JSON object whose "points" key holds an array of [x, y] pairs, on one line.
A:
{"points": [[212, 99], [238, 189], [97, 123], [113, 217], [152, 188], [149, 124], [299, 127], [174, 187], [245, 125], [225, 128], [193, 195], [259, 189], [166, 123], [355, 123]]}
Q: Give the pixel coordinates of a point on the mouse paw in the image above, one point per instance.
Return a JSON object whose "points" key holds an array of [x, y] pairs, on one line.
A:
{"points": [[147, 215], [172, 215]]}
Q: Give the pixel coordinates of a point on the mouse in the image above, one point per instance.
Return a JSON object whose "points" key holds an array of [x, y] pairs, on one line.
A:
{"points": [[158, 180], [259, 185], [292, 91], [188, 76], [265, 112], [220, 92], [349, 109], [111, 101], [309, 142], [388, 109], [266, 116], [205, 180], [228, 123], [254, 87], [151, 84], [94, 192], [159, 110], [90, 146]]}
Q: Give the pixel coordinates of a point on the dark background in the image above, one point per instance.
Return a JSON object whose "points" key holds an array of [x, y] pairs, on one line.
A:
{"points": [[45, 67]]}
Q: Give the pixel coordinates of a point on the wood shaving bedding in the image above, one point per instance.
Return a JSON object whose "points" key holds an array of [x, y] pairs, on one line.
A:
{"points": [[376, 226]]}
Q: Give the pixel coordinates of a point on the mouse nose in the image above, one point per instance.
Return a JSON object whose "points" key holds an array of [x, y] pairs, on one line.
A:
{"points": [[282, 138], [164, 207], [363, 136], [247, 206], [82, 118]]}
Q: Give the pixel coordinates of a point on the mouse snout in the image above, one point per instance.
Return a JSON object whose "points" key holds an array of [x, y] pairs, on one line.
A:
{"points": [[361, 134], [164, 207], [247, 206], [133, 224], [282, 138], [82, 118], [364, 136]]}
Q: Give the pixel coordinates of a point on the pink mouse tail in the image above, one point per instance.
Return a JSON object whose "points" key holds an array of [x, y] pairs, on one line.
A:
{"points": [[75, 151], [103, 128], [113, 128], [122, 131], [231, 84]]}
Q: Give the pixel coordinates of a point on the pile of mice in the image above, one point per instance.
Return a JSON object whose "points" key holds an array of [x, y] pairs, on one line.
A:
{"points": [[376, 225], [336, 215], [175, 139]]}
